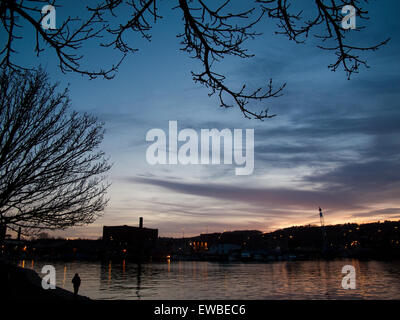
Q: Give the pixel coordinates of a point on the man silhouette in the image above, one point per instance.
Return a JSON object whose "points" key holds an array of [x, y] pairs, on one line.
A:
{"points": [[76, 281]]}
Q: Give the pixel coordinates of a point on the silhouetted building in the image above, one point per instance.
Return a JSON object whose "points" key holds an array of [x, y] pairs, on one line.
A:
{"points": [[141, 222], [130, 242]]}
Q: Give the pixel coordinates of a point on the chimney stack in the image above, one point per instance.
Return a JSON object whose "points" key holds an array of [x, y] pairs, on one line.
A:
{"points": [[141, 222]]}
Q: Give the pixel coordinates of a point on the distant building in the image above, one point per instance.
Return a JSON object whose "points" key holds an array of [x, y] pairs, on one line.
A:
{"points": [[131, 242], [223, 248]]}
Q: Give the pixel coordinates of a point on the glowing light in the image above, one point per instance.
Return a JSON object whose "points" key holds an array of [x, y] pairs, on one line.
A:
{"points": [[355, 243]]}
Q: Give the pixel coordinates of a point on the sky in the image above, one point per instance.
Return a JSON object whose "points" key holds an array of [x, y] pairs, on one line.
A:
{"points": [[334, 143]]}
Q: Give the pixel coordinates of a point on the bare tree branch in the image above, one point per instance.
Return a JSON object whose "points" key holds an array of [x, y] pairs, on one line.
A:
{"points": [[51, 175], [64, 41], [212, 31], [211, 35], [329, 17]]}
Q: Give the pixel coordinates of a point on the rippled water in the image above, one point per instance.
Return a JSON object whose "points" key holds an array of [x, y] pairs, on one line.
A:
{"points": [[212, 280]]}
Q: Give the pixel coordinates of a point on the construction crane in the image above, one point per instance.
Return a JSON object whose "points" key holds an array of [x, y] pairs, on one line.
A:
{"points": [[324, 237]]}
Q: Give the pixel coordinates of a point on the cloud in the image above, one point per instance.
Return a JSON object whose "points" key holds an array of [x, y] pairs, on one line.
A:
{"points": [[389, 212], [261, 197], [372, 176]]}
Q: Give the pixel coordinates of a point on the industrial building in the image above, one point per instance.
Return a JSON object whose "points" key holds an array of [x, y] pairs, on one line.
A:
{"points": [[136, 243]]}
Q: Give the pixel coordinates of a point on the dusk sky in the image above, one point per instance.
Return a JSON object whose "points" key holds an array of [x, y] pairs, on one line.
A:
{"points": [[334, 143]]}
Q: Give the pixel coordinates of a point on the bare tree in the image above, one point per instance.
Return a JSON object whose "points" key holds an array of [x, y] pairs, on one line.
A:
{"points": [[212, 30], [52, 175]]}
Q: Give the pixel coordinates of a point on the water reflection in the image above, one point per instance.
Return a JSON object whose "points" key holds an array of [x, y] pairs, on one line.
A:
{"points": [[138, 277], [64, 277], [208, 280]]}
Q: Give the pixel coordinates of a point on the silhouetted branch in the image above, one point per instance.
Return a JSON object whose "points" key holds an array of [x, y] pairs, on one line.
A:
{"points": [[328, 16], [212, 31], [141, 11], [50, 174], [211, 35], [64, 41]]}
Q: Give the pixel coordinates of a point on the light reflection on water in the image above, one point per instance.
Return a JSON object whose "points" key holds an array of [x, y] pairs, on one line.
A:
{"points": [[212, 280]]}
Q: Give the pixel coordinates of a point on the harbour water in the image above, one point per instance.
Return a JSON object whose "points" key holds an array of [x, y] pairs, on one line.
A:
{"points": [[213, 280]]}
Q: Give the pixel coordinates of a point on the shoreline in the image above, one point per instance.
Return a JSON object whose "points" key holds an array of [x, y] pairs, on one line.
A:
{"points": [[25, 284]]}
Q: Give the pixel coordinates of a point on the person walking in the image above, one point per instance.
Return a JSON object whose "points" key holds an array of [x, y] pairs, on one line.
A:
{"points": [[76, 281]]}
